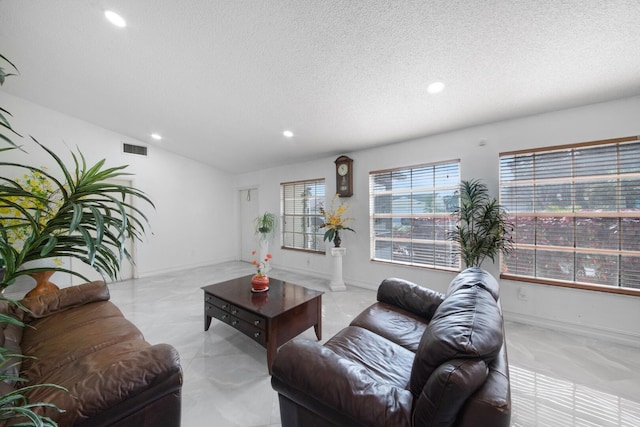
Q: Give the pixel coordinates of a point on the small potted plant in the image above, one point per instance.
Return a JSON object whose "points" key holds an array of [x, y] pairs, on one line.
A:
{"points": [[265, 226], [260, 280]]}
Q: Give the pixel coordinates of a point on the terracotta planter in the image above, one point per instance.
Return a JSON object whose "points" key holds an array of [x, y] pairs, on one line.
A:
{"points": [[260, 283], [43, 285]]}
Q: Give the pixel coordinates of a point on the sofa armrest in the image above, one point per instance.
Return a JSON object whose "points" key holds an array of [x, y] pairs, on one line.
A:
{"points": [[410, 296], [337, 389], [47, 304], [123, 380]]}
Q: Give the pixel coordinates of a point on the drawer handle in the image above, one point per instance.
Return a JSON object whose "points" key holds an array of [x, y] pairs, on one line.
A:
{"points": [[234, 311], [208, 298], [234, 323], [225, 316], [225, 306], [256, 322], [257, 334]]}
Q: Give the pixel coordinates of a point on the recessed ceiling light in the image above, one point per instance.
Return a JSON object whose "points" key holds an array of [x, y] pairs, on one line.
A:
{"points": [[156, 136], [115, 19], [287, 134], [435, 87]]}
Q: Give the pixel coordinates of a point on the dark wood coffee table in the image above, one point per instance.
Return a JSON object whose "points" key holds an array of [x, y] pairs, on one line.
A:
{"points": [[270, 318]]}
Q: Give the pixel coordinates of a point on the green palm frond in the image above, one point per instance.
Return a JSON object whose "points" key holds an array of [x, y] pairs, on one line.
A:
{"points": [[92, 222], [4, 122]]}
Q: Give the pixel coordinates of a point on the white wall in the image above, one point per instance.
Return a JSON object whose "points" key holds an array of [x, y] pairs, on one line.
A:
{"points": [[187, 192], [190, 198], [588, 312]]}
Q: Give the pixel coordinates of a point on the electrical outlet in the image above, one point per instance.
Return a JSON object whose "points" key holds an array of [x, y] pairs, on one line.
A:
{"points": [[522, 294]]}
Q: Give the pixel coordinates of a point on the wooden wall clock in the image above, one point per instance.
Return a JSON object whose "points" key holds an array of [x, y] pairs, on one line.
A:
{"points": [[344, 176]]}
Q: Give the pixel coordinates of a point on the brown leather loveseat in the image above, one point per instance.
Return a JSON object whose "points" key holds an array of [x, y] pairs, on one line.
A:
{"points": [[78, 339], [414, 358]]}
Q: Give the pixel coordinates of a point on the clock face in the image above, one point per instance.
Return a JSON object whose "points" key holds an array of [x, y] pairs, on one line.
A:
{"points": [[343, 169]]}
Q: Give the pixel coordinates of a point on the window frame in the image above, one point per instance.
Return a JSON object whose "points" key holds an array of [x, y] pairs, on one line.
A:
{"points": [[575, 177], [302, 217], [439, 230]]}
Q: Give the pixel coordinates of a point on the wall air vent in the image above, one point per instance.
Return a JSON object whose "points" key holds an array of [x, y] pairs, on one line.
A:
{"points": [[134, 149]]}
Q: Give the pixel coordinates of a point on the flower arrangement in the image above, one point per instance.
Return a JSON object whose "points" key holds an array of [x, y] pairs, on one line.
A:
{"points": [[334, 220], [261, 265], [44, 199]]}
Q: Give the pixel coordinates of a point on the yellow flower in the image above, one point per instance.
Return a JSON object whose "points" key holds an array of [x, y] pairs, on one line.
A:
{"points": [[334, 220], [14, 221]]}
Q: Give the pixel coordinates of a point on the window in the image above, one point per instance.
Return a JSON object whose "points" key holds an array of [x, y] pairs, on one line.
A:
{"points": [[576, 213], [301, 216], [410, 215]]}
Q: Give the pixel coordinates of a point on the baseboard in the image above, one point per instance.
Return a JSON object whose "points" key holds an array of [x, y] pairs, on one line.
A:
{"points": [[304, 271], [612, 335], [327, 277], [362, 285], [183, 267]]}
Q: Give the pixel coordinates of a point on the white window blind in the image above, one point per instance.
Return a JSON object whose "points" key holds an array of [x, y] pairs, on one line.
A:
{"points": [[410, 215], [576, 212], [301, 216]]}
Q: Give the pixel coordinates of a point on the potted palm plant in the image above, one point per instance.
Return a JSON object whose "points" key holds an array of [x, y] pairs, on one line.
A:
{"points": [[482, 227], [89, 220]]}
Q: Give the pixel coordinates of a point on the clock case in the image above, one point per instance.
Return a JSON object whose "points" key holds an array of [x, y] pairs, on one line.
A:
{"points": [[344, 183]]}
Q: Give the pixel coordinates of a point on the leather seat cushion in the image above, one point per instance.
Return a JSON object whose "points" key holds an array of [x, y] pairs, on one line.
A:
{"points": [[105, 379], [393, 323], [64, 337], [383, 361]]}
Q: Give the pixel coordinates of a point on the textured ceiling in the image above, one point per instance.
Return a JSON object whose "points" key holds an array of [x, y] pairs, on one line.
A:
{"points": [[221, 80]]}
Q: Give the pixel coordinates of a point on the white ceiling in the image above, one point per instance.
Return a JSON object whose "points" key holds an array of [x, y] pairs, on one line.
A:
{"points": [[221, 80]]}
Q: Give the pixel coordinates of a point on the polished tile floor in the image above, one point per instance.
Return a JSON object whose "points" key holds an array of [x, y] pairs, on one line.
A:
{"points": [[557, 379]]}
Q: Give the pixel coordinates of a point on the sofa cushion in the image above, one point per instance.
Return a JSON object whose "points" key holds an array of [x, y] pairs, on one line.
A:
{"points": [[468, 324], [384, 361], [395, 324], [106, 378], [64, 299], [446, 391], [66, 336], [474, 276], [356, 378], [409, 296]]}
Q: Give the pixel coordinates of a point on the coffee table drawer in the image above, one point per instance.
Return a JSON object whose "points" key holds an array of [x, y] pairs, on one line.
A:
{"points": [[253, 319], [249, 330], [220, 303], [217, 313]]}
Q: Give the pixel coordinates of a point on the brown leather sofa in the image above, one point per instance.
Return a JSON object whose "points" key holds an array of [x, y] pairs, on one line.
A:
{"points": [[78, 339], [414, 358]]}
